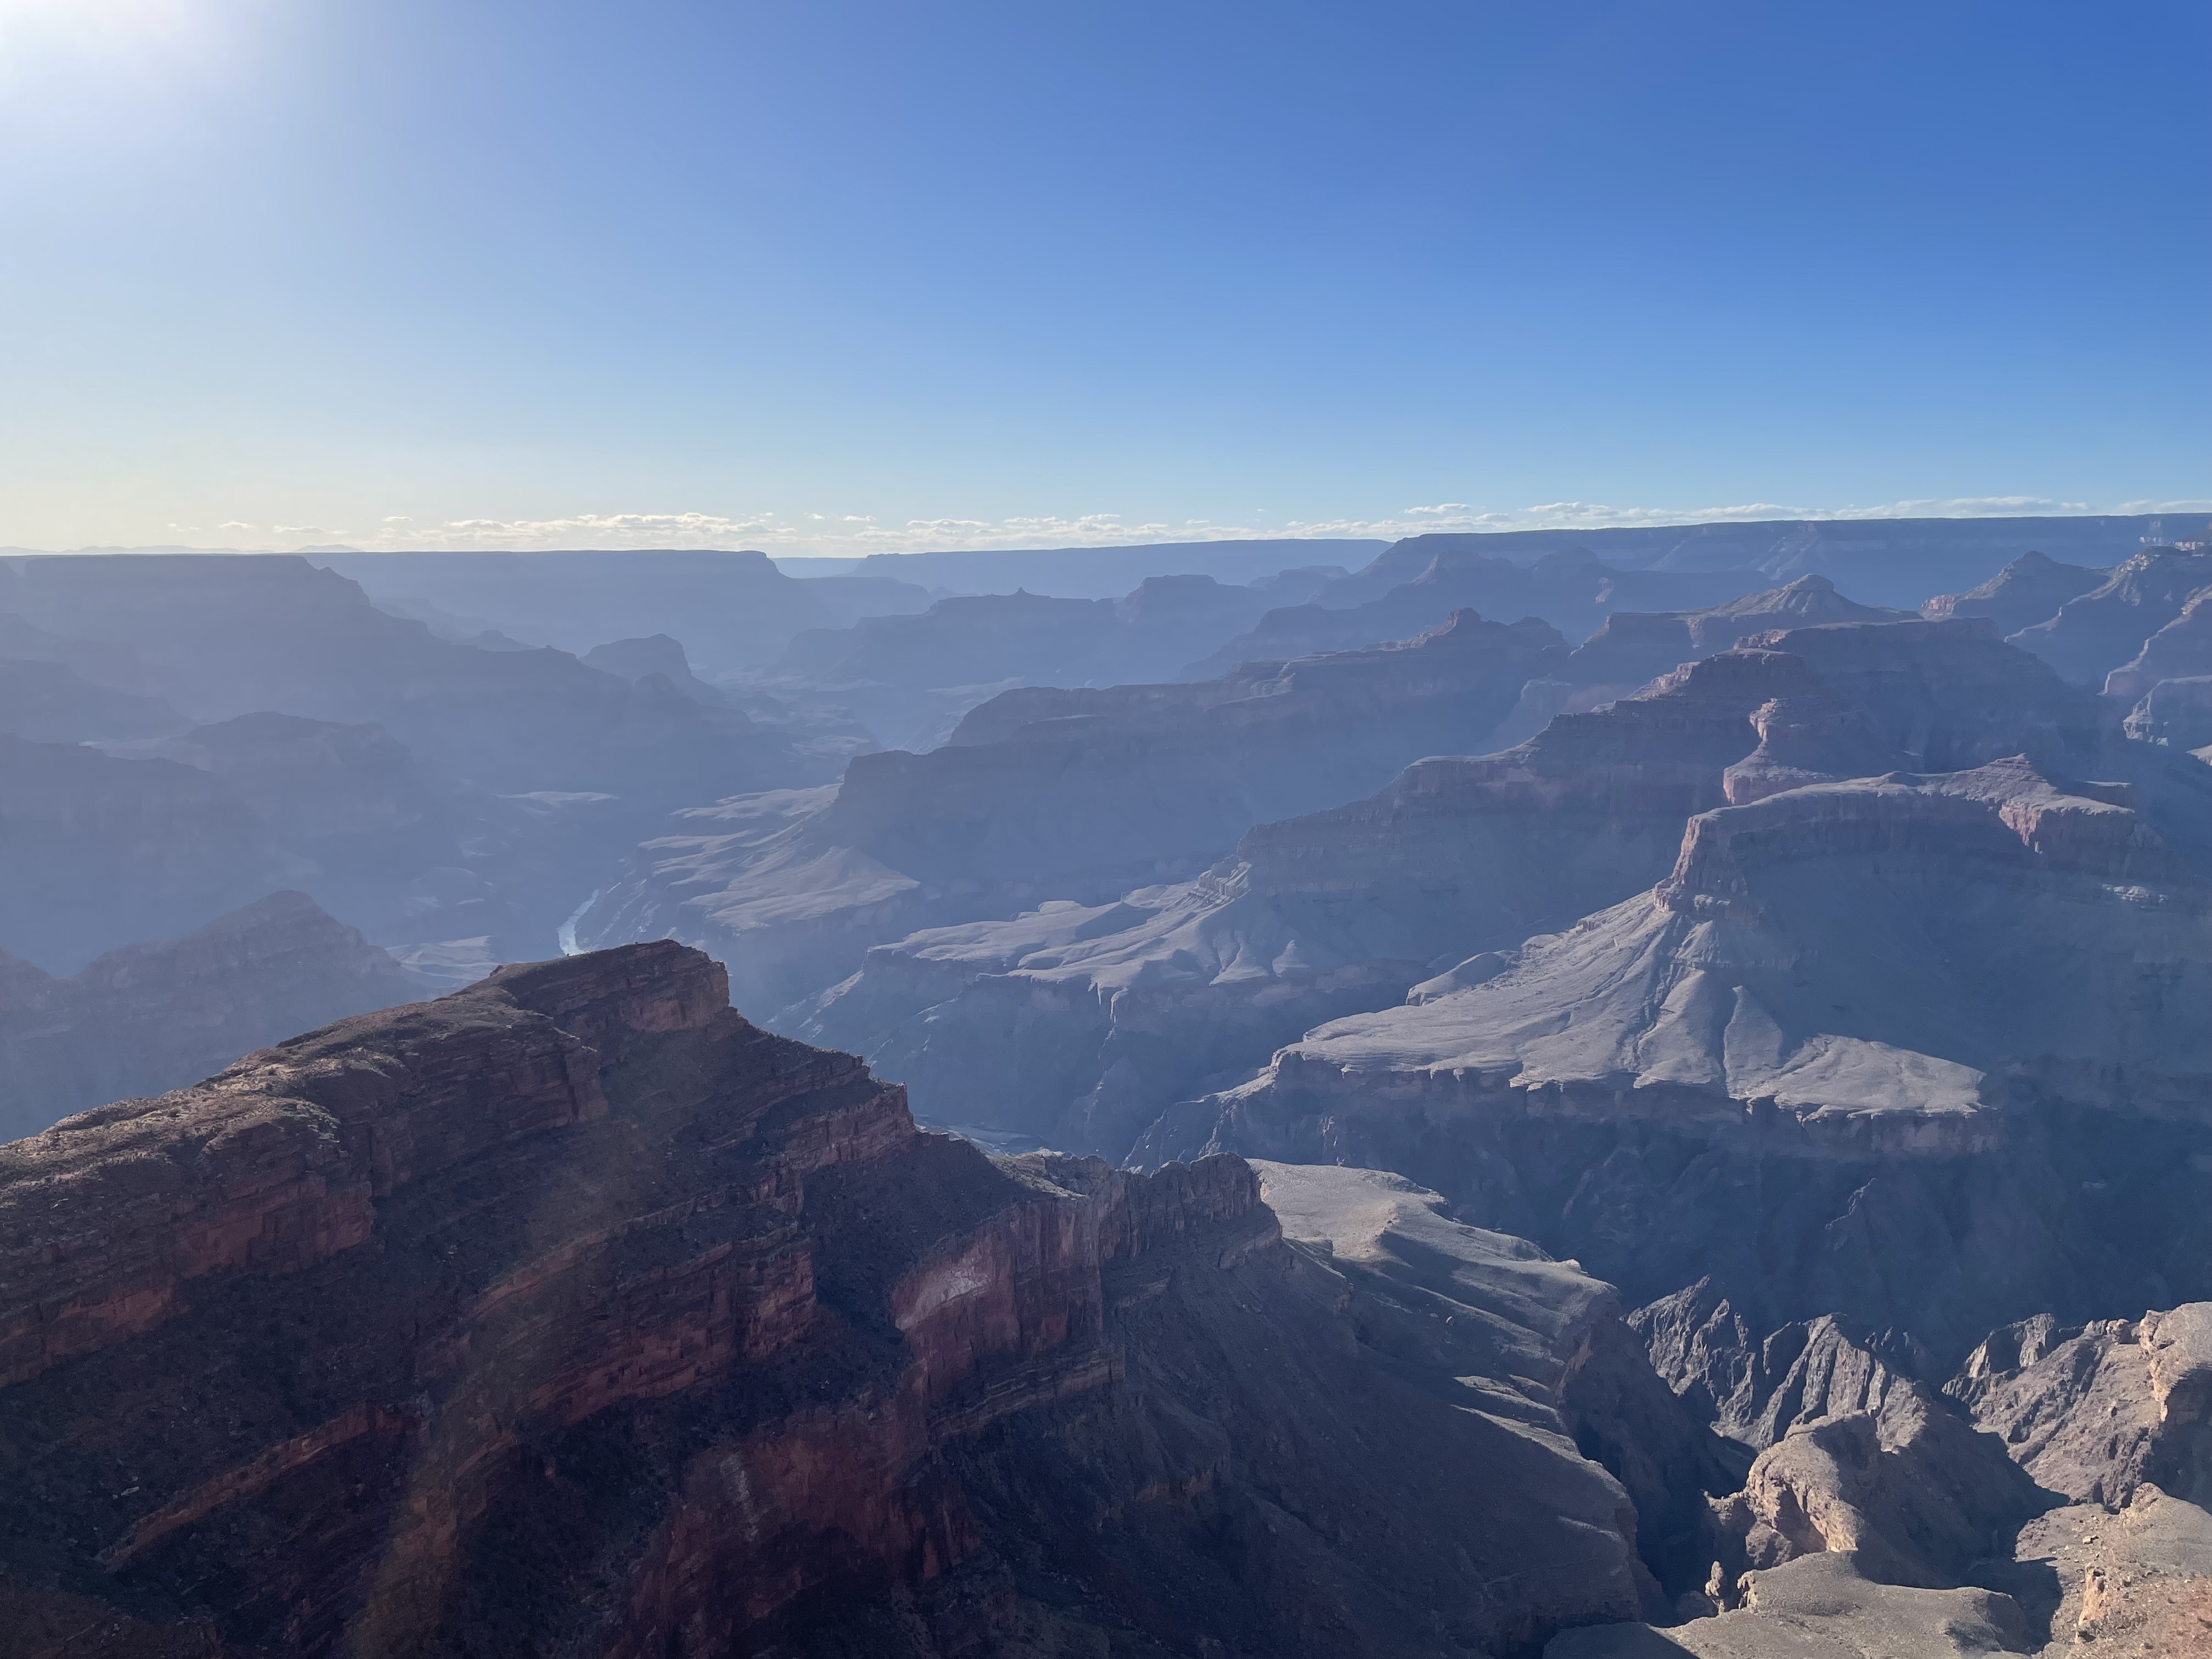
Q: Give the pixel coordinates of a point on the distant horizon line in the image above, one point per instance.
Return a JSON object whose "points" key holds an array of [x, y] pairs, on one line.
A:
{"points": [[1223, 536]]}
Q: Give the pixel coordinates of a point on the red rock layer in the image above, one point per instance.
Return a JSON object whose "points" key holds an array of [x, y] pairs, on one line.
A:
{"points": [[572, 1313]]}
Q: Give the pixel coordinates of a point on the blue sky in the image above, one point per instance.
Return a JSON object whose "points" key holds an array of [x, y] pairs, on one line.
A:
{"points": [[835, 275]]}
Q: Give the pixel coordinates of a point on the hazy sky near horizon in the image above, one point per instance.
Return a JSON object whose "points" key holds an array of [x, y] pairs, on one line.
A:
{"points": [[850, 276]]}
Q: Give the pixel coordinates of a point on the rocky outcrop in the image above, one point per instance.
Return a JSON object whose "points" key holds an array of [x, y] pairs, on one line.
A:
{"points": [[1423, 580], [1050, 792], [1497, 1322], [1880, 1482], [655, 653], [155, 1017], [1635, 647], [1755, 1388], [2106, 627], [2032, 589], [2176, 714], [1080, 1024], [1777, 1067], [2098, 1412], [2180, 650], [1823, 1606], [572, 1313], [1951, 694], [1783, 913]]}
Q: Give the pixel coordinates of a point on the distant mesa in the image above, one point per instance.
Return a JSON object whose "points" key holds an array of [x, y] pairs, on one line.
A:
{"points": [[155, 1017]]}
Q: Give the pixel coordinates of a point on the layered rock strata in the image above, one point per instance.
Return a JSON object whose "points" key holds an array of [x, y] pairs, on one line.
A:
{"points": [[1050, 792], [572, 1313], [1420, 581], [1835, 1060], [1080, 1024], [2101, 629], [1633, 648]]}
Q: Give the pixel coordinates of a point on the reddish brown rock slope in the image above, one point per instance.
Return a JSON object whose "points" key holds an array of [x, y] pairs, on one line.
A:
{"points": [[574, 1314]]}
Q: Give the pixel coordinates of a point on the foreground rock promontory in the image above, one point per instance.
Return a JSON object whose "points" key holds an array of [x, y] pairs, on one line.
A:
{"points": [[572, 1313]]}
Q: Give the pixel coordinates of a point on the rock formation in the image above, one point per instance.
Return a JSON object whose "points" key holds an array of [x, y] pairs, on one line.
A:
{"points": [[2033, 1474], [571, 1313], [911, 677], [223, 637], [2175, 713], [1631, 648], [2030, 590], [2180, 650], [1887, 561], [2100, 630], [1080, 1024], [150, 1018], [655, 653], [2098, 1412], [736, 610], [1056, 793], [1851, 1010], [1570, 589]]}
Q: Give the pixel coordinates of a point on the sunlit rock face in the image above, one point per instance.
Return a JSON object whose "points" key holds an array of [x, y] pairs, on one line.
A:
{"points": [[1850, 1009]]}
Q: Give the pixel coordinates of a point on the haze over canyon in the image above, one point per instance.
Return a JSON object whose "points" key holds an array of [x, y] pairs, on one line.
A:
{"points": [[1602, 1097]]}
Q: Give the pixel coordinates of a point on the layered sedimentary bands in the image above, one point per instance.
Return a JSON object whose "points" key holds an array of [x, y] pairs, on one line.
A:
{"points": [[1679, 1127], [1047, 792], [574, 1314], [1922, 1050]]}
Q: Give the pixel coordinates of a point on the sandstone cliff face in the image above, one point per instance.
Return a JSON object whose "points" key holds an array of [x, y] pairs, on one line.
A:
{"points": [[1056, 793], [573, 1313], [150, 1018]]}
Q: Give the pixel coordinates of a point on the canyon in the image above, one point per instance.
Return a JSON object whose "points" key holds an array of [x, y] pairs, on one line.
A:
{"points": [[1672, 1124]]}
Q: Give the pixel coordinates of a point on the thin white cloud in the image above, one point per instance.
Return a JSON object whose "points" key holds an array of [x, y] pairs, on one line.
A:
{"points": [[832, 533]]}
